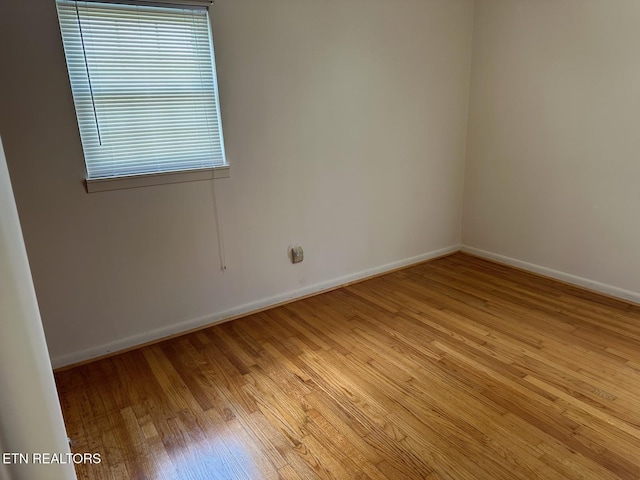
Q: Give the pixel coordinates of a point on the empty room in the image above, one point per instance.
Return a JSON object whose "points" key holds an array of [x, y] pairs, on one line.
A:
{"points": [[319, 239]]}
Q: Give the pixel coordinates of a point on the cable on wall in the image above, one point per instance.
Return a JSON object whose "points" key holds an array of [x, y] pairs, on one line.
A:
{"points": [[216, 215]]}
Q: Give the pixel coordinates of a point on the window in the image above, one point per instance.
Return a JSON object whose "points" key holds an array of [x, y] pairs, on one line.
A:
{"points": [[144, 87]]}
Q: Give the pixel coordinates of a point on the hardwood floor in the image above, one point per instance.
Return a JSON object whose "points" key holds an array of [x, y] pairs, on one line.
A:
{"points": [[454, 369]]}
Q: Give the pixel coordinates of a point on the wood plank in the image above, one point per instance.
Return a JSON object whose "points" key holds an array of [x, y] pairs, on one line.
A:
{"points": [[454, 369]]}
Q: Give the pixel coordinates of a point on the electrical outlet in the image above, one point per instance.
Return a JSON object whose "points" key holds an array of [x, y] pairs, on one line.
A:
{"points": [[297, 255]]}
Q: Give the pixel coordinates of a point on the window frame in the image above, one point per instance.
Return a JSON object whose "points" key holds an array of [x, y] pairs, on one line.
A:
{"points": [[125, 181]]}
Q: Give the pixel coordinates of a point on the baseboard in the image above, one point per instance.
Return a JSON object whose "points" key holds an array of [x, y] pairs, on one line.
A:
{"points": [[153, 336], [592, 285]]}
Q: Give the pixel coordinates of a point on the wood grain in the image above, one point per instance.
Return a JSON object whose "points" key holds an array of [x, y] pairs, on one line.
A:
{"points": [[454, 369]]}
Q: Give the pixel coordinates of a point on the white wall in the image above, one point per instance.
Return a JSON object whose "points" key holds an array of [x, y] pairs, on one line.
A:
{"points": [[553, 174], [30, 415], [345, 125]]}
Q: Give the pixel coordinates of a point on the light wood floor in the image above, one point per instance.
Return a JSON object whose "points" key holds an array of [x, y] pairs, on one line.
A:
{"points": [[455, 369]]}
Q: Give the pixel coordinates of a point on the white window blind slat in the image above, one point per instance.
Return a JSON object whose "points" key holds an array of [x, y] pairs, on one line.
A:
{"points": [[144, 87]]}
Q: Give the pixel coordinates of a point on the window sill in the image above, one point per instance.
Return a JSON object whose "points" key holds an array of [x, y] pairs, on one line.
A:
{"points": [[135, 181]]}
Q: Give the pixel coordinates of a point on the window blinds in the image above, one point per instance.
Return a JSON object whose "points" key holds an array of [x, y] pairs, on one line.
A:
{"points": [[144, 87]]}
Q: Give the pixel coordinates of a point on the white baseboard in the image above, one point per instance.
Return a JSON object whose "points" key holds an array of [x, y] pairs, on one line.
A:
{"points": [[592, 285], [245, 309]]}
